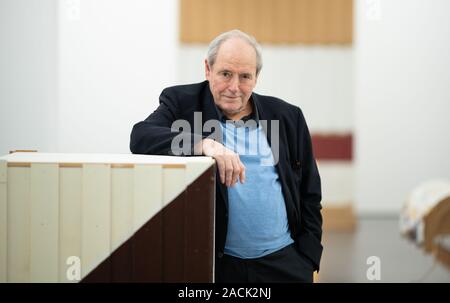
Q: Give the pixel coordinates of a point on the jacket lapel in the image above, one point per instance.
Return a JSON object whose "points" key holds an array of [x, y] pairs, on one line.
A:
{"points": [[268, 115], [210, 113]]}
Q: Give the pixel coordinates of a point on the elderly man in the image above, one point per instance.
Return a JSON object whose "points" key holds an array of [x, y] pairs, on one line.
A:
{"points": [[268, 220]]}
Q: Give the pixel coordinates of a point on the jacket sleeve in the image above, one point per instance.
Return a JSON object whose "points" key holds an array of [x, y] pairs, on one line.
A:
{"points": [[310, 192], [155, 135]]}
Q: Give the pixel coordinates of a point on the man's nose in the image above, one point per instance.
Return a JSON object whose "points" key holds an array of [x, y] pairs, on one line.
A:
{"points": [[234, 85]]}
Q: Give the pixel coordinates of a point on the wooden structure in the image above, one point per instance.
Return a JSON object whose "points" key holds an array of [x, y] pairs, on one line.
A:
{"points": [[425, 219], [106, 218], [437, 230]]}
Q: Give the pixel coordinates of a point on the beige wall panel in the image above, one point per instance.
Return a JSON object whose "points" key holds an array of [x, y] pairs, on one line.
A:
{"points": [[192, 14], [302, 21], [184, 15], [3, 220], [18, 228], [173, 183], [316, 21], [282, 21], [265, 21], [44, 213], [95, 216], [212, 21], [122, 209], [231, 15], [249, 17], [328, 16], [347, 21], [148, 193], [70, 195], [270, 21], [335, 21]]}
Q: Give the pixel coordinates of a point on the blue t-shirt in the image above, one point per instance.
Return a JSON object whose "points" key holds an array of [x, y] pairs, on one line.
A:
{"points": [[258, 223]]}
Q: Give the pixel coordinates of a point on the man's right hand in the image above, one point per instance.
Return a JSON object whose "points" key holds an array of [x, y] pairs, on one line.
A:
{"points": [[228, 162]]}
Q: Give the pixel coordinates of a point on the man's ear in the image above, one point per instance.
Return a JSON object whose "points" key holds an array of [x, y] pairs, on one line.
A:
{"points": [[207, 70]]}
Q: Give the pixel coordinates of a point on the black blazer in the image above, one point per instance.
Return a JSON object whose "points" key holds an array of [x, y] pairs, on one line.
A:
{"points": [[296, 167]]}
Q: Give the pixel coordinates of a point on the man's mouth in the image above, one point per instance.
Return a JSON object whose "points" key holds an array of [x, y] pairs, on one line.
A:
{"points": [[232, 97]]}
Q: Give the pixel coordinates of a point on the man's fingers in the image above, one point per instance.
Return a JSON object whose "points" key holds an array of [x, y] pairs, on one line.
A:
{"points": [[221, 166], [242, 173], [236, 170], [228, 171], [230, 166]]}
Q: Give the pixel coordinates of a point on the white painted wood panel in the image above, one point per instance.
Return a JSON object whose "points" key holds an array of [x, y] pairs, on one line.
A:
{"points": [[18, 228], [44, 223], [70, 197], [122, 209], [148, 193], [195, 170], [27, 157], [95, 216], [173, 183], [3, 220]]}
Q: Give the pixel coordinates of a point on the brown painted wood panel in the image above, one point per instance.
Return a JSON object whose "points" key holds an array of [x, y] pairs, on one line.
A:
{"points": [[121, 271], [199, 225], [174, 243], [147, 252], [270, 21], [101, 274]]}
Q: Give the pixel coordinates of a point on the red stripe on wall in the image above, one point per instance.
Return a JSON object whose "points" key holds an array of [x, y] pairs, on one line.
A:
{"points": [[333, 147]]}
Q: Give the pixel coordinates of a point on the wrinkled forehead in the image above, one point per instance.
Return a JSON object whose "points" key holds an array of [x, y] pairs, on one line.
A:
{"points": [[236, 54]]}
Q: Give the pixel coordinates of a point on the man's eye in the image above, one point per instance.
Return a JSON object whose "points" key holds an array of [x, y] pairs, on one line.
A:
{"points": [[226, 74]]}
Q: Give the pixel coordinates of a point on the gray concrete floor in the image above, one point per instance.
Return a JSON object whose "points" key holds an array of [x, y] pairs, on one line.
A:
{"points": [[345, 255]]}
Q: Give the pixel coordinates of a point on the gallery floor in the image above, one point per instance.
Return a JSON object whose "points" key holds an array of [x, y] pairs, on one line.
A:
{"points": [[346, 254]]}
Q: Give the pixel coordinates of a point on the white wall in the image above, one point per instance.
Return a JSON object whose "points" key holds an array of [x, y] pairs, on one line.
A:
{"points": [[28, 73], [76, 75], [116, 57], [402, 99]]}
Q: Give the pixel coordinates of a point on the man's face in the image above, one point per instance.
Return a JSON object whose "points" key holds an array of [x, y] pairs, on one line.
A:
{"points": [[233, 76]]}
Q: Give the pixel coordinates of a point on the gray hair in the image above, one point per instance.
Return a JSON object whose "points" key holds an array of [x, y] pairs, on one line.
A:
{"points": [[215, 44]]}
